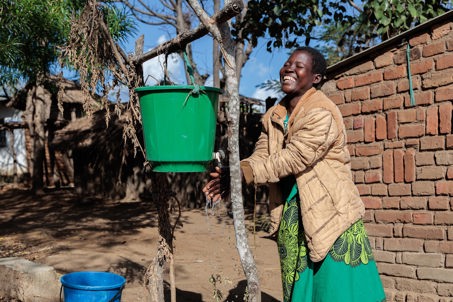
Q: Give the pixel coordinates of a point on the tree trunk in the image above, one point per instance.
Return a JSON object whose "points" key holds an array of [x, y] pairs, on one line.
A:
{"points": [[228, 48], [164, 255], [245, 254], [36, 114], [232, 87]]}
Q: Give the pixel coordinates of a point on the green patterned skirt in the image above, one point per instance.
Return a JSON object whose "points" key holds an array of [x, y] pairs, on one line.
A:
{"points": [[347, 274]]}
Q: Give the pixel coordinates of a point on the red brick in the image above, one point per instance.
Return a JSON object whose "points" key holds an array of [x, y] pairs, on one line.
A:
{"points": [[433, 49], [369, 129], [368, 78], [439, 203], [399, 189], [409, 165], [450, 173], [430, 172], [445, 218], [398, 270], [423, 218], [364, 190], [432, 120], [411, 285], [391, 202], [412, 143], [348, 122], [394, 144], [359, 178], [440, 31], [424, 158], [383, 89], [422, 39], [337, 98], [444, 187], [393, 216], [403, 84], [362, 68], [372, 202], [436, 246], [381, 127], [423, 188], [383, 60], [360, 94], [445, 61], [372, 106], [355, 136], [449, 263], [434, 80], [350, 109], [388, 166], [395, 72], [423, 232], [368, 150], [407, 116], [403, 244], [368, 216], [345, 83], [444, 93], [392, 124], [398, 162], [444, 158], [379, 189], [450, 44], [422, 66], [358, 122], [421, 114], [421, 98], [445, 113], [432, 143], [379, 230], [449, 143], [373, 176], [411, 130], [413, 203], [393, 102]]}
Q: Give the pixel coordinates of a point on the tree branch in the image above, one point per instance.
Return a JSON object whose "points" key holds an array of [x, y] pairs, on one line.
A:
{"points": [[180, 41]]}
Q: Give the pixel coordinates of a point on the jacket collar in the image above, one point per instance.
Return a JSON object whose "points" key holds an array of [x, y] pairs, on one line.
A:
{"points": [[280, 111]]}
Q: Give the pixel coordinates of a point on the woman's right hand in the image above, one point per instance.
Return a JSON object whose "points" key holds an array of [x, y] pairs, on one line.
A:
{"points": [[218, 186]]}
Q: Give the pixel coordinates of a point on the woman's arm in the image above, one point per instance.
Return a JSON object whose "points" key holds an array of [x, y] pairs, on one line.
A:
{"points": [[313, 135]]}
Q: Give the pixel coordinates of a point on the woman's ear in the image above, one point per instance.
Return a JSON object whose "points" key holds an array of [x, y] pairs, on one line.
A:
{"points": [[317, 78]]}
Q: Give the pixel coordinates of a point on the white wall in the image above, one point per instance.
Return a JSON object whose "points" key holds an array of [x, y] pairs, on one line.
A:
{"points": [[6, 157]]}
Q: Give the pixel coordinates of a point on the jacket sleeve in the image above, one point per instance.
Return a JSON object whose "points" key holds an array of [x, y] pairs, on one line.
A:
{"points": [[260, 153], [313, 135]]}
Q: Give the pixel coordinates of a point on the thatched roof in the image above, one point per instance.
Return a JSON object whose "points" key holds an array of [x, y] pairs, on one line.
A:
{"points": [[71, 92], [88, 131]]}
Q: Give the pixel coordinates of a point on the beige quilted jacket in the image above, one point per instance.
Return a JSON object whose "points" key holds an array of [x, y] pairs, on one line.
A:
{"points": [[314, 150]]}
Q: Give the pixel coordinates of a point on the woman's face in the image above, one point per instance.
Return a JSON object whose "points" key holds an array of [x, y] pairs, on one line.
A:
{"points": [[296, 75]]}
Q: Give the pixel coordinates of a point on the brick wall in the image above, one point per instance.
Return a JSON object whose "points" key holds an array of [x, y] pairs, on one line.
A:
{"points": [[402, 159]]}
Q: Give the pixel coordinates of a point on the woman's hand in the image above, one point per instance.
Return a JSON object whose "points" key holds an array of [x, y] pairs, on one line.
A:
{"points": [[218, 186]]}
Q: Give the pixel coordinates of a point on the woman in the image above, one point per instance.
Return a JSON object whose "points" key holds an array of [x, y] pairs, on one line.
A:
{"points": [[325, 254]]}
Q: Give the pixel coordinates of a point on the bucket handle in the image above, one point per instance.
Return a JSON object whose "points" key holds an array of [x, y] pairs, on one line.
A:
{"points": [[118, 293], [196, 88]]}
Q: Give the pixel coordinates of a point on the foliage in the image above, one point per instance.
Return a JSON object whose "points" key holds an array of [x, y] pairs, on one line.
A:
{"points": [[345, 25], [33, 31], [30, 32]]}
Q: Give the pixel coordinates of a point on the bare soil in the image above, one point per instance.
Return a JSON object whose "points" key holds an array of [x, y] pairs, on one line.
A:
{"points": [[59, 229]]}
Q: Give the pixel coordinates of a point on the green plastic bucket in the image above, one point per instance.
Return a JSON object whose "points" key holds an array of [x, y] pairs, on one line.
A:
{"points": [[178, 126]]}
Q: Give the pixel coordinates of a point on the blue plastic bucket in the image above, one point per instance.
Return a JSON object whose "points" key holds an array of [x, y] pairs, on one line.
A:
{"points": [[92, 287]]}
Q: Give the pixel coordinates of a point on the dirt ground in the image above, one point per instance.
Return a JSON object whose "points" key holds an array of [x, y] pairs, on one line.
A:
{"points": [[60, 230]]}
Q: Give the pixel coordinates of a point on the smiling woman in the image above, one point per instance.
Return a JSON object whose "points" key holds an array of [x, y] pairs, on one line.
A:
{"points": [[316, 210]]}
